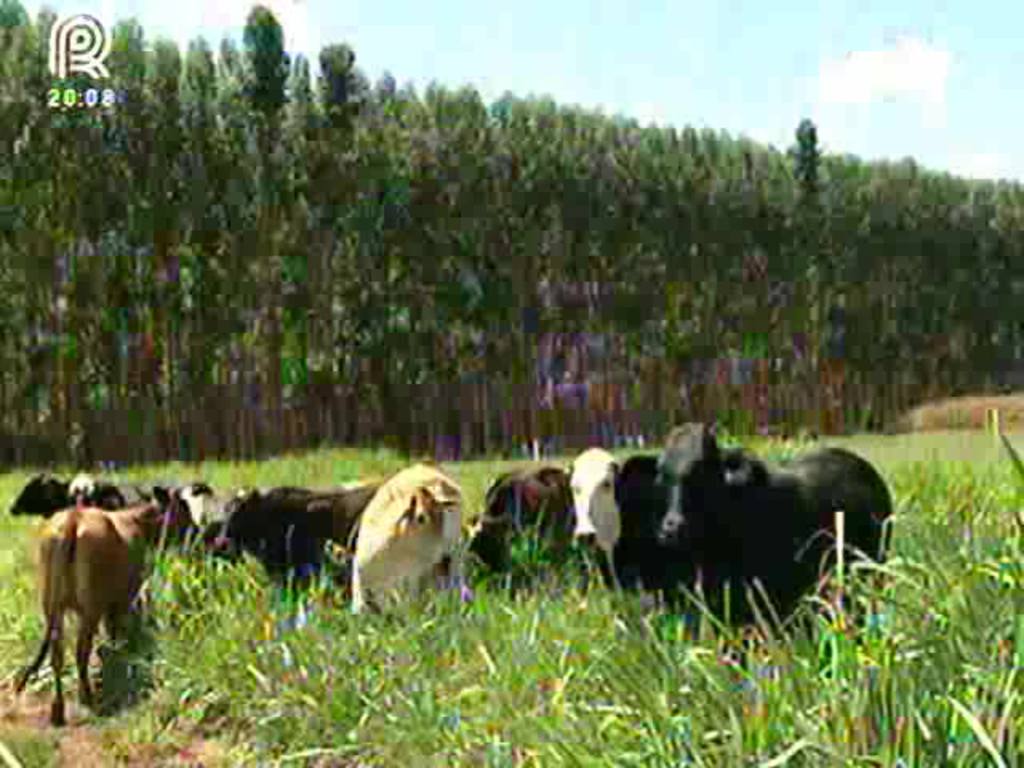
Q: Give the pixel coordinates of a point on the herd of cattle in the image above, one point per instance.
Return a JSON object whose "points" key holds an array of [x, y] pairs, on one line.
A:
{"points": [[694, 517]]}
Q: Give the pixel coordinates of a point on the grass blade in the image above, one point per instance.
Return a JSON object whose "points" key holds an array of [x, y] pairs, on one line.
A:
{"points": [[979, 731]]}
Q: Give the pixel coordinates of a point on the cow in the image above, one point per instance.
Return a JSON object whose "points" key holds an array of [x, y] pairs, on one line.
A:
{"points": [[102, 495], [742, 521], [46, 494], [194, 503], [286, 528], [618, 510], [410, 531], [598, 522], [535, 499], [201, 503], [90, 562], [642, 561]]}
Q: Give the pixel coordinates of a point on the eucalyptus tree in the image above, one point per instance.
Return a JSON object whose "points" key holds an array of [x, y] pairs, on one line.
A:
{"points": [[265, 76]]}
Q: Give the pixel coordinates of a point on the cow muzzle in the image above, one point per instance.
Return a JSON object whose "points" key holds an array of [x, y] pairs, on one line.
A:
{"points": [[671, 529]]}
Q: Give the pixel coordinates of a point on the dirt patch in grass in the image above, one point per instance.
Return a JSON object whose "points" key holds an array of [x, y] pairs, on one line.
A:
{"points": [[26, 732], [26, 735], [966, 412]]}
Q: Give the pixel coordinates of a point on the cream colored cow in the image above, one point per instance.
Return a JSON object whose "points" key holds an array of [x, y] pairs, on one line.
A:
{"points": [[592, 479], [409, 532]]}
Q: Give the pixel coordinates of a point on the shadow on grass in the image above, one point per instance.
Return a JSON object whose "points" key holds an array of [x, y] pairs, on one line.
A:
{"points": [[126, 677]]}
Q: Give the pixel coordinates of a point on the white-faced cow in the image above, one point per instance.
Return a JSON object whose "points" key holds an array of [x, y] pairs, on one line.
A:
{"points": [[598, 522], [618, 510]]}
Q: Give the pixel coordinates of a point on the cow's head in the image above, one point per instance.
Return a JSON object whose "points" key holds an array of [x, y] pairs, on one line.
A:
{"points": [[235, 525], [433, 510], [693, 473], [517, 503], [43, 495], [490, 532], [741, 470], [82, 487], [592, 480], [177, 517], [203, 506]]}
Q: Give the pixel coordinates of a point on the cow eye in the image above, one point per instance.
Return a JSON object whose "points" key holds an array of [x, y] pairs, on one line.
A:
{"points": [[607, 484]]}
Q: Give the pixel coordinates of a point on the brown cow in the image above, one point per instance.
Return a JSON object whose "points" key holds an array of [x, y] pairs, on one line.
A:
{"points": [[532, 499], [90, 562]]}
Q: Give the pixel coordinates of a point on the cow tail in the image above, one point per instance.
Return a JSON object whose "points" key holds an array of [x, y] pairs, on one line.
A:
{"points": [[62, 557]]}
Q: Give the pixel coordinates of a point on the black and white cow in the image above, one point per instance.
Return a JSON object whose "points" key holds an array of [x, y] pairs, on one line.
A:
{"points": [[194, 503], [44, 495]]}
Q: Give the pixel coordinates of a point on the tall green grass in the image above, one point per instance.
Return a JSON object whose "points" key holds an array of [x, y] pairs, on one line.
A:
{"points": [[559, 676]]}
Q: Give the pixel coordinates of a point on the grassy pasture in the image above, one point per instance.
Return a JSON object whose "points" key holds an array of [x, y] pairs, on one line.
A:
{"points": [[558, 676]]}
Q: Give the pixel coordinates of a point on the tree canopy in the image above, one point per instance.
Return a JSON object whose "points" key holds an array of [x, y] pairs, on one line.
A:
{"points": [[235, 259]]}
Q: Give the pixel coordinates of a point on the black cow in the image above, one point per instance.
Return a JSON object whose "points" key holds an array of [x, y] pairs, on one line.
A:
{"points": [[741, 520], [518, 502], [286, 528], [642, 561], [44, 495]]}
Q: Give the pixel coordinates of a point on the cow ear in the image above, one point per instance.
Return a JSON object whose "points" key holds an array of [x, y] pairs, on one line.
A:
{"points": [[710, 439], [439, 494], [615, 467]]}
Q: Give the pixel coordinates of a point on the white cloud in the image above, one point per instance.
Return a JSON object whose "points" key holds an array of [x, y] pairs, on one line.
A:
{"points": [[912, 69]]}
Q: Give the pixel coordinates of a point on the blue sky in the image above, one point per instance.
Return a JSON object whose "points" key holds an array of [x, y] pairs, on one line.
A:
{"points": [[881, 79]]}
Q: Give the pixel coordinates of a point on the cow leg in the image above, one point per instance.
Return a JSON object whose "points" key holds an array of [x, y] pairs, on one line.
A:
{"points": [[611, 578], [457, 577], [441, 575], [111, 620], [358, 601], [87, 627], [57, 662]]}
